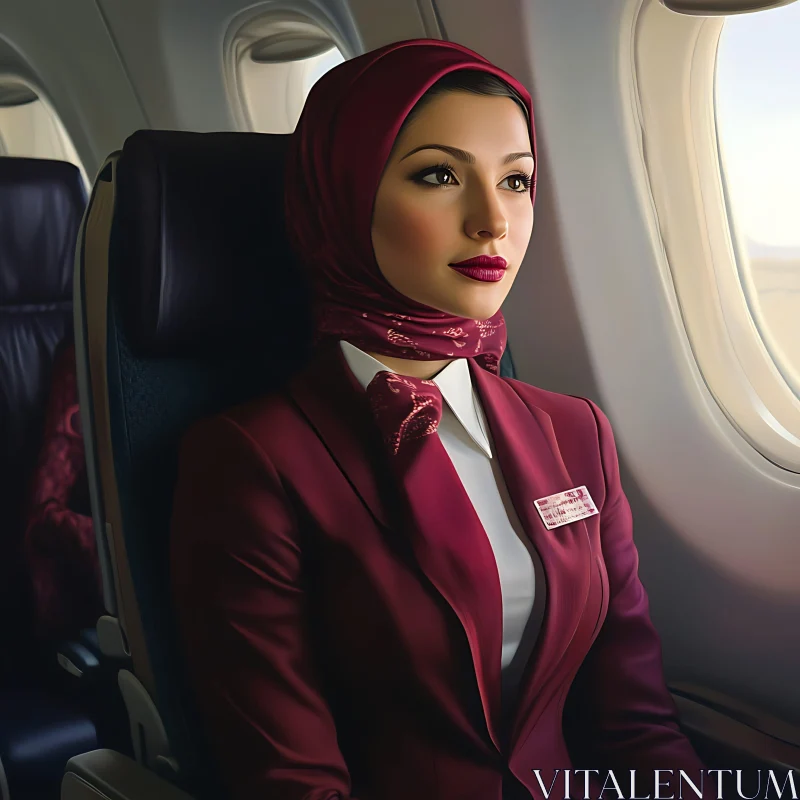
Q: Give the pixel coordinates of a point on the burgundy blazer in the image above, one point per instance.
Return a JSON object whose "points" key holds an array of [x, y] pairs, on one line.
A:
{"points": [[328, 666]]}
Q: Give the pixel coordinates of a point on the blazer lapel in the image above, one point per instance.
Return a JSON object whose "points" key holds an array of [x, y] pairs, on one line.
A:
{"points": [[529, 457], [335, 405]]}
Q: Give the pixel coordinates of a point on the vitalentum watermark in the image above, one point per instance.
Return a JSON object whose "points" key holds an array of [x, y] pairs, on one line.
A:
{"points": [[582, 784]]}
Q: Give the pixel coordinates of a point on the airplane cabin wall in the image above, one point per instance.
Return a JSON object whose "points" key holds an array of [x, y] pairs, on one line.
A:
{"points": [[66, 53], [593, 311]]}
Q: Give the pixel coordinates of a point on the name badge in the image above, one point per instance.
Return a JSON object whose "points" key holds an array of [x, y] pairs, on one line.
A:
{"points": [[565, 507]]}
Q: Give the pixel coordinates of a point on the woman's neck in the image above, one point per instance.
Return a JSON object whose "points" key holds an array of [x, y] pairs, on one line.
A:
{"points": [[414, 369]]}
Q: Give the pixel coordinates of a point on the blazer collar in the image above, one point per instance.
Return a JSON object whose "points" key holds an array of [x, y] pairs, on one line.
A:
{"points": [[335, 405]]}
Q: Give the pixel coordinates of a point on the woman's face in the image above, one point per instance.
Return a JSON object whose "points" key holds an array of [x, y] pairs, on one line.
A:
{"points": [[456, 186]]}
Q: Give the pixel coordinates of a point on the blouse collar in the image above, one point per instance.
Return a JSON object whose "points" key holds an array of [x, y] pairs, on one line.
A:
{"points": [[454, 382]]}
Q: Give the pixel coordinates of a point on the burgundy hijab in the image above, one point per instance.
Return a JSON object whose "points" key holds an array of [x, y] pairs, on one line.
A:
{"points": [[334, 165]]}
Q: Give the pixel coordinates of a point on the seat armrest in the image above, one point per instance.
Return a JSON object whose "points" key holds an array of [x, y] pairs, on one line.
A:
{"points": [[83, 656], [108, 775], [740, 711], [77, 658], [735, 730]]}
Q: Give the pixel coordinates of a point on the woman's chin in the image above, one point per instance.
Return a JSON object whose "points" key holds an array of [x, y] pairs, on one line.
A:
{"points": [[480, 303], [471, 310]]}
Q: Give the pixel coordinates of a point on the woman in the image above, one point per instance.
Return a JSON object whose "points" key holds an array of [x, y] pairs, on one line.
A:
{"points": [[373, 605]]}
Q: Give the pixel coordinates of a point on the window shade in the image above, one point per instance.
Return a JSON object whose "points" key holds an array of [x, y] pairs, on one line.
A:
{"points": [[718, 8]]}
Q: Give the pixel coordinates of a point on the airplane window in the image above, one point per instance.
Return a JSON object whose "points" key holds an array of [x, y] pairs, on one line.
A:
{"points": [[758, 124], [273, 92], [30, 128]]}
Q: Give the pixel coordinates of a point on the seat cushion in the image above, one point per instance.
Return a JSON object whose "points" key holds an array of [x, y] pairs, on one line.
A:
{"points": [[39, 733]]}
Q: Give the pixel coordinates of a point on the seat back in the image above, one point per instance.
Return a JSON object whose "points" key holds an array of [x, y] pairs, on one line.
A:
{"points": [[41, 204], [204, 310]]}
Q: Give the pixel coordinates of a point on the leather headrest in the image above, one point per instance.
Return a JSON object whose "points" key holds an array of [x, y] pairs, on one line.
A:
{"points": [[41, 205], [199, 257]]}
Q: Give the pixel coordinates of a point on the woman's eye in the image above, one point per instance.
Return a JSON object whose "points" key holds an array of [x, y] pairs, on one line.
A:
{"points": [[518, 183], [439, 177]]}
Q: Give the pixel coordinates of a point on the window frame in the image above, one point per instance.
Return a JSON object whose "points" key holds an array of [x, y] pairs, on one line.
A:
{"points": [[673, 93], [247, 29], [69, 151]]}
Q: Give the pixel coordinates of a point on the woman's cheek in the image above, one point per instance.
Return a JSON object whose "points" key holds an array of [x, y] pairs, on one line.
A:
{"points": [[422, 232]]}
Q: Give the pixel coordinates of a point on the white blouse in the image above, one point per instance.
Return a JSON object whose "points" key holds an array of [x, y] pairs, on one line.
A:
{"points": [[465, 435]]}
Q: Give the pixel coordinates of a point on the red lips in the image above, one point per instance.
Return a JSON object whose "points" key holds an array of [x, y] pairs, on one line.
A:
{"points": [[491, 262]]}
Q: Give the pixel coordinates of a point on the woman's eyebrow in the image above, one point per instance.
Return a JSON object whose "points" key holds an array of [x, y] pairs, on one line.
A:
{"points": [[463, 155]]}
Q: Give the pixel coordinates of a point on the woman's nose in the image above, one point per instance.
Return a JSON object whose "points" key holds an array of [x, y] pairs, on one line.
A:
{"points": [[486, 219]]}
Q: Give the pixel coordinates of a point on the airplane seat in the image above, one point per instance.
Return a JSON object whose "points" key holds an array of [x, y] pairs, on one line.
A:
{"points": [[205, 309], [41, 203]]}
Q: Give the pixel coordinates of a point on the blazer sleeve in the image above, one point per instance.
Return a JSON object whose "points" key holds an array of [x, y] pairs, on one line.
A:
{"points": [[241, 606], [619, 709]]}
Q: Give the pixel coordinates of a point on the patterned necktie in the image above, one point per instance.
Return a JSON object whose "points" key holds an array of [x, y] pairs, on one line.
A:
{"points": [[407, 410]]}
